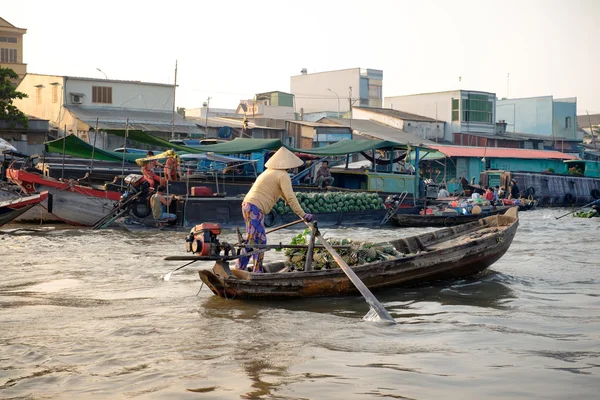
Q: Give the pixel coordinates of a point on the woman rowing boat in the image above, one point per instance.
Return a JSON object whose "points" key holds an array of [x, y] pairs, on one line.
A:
{"points": [[272, 184]]}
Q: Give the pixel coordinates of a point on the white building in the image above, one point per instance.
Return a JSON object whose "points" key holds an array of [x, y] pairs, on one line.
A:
{"points": [[423, 127], [76, 104], [337, 91], [463, 111]]}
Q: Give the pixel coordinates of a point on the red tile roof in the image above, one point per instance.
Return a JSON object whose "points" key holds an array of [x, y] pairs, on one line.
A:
{"points": [[500, 152]]}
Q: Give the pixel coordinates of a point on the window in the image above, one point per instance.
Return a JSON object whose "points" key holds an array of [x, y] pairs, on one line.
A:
{"points": [[38, 95], [375, 92], [567, 122], [477, 108], [8, 39], [54, 94], [102, 94], [455, 111], [8, 55]]}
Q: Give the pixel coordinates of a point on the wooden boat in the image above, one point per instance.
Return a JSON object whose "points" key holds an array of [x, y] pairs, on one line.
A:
{"points": [[73, 203], [11, 209], [423, 221], [444, 254]]}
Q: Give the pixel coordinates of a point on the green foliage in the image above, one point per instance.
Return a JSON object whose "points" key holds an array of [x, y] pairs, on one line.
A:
{"points": [[8, 92]]}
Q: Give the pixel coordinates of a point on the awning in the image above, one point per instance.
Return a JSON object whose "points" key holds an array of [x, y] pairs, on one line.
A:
{"points": [[352, 147], [76, 147]]}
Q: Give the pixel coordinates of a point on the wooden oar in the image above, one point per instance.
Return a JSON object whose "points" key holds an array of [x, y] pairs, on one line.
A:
{"points": [[362, 288], [167, 276], [587, 205]]}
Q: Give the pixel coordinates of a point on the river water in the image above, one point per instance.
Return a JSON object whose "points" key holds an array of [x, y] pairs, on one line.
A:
{"points": [[86, 315]]}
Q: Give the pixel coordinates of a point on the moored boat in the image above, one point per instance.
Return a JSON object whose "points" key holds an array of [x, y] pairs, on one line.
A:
{"points": [[444, 254], [423, 221], [11, 209], [73, 203]]}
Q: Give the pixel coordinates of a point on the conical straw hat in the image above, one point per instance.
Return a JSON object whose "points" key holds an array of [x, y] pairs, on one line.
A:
{"points": [[283, 159]]}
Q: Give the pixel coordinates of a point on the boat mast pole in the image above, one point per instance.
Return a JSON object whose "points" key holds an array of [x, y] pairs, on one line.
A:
{"points": [[124, 151], [62, 174], [173, 115], [94, 146], [417, 176]]}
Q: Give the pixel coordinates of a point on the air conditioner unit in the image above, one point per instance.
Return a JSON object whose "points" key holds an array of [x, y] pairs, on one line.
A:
{"points": [[76, 98]]}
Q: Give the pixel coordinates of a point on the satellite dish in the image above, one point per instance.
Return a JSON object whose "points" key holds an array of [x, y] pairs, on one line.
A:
{"points": [[224, 132]]}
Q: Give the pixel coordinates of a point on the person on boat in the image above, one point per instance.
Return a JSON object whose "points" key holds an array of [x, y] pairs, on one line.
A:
{"points": [[172, 170], [489, 195], [324, 177], [443, 193], [514, 190], [496, 193], [148, 171], [160, 205], [272, 184]]}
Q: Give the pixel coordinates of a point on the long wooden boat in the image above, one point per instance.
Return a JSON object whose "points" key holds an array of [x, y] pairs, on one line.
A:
{"points": [[11, 209], [73, 203], [424, 221], [444, 254]]}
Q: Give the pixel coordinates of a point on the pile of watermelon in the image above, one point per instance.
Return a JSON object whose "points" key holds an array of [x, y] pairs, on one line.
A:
{"points": [[333, 202]]}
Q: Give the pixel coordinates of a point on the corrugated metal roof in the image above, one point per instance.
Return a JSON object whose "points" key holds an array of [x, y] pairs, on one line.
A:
{"points": [[584, 122], [398, 114], [143, 120], [376, 130], [499, 152]]}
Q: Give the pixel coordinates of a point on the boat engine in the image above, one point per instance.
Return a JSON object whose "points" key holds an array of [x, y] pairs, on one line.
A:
{"points": [[203, 240]]}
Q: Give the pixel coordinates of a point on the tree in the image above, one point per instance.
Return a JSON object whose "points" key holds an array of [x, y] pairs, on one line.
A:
{"points": [[181, 111], [8, 92]]}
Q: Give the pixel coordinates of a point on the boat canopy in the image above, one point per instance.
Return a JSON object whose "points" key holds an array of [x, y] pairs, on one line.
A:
{"points": [[146, 138], [76, 147], [344, 147], [242, 146]]}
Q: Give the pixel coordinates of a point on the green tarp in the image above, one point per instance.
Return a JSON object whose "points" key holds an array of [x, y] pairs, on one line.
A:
{"points": [[344, 147], [146, 138], [243, 146], [76, 147]]}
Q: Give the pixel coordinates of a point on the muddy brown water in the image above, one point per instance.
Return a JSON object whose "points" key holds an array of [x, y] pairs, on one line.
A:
{"points": [[85, 315]]}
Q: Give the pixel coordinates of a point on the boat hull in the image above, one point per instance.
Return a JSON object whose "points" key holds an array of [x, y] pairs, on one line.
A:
{"points": [[11, 209], [472, 251], [72, 203], [437, 221]]}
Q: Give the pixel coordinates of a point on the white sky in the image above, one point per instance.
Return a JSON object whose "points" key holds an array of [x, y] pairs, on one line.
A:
{"points": [[230, 50]]}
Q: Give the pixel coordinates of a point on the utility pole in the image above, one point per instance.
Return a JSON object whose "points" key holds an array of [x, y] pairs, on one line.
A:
{"points": [[507, 85], [591, 129], [350, 99], [206, 117], [173, 116]]}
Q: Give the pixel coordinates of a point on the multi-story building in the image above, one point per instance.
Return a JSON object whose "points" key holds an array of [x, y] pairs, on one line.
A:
{"points": [[465, 112], [11, 48], [279, 105], [556, 119], [337, 91], [78, 105]]}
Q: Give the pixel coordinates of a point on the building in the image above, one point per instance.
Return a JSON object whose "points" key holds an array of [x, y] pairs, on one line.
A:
{"points": [[423, 127], [337, 91], [317, 134], [279, 105], [464, 112], [212, 112], [554, 119], [27, 140], [11, 48], [375, 130], [77, 105], [448, 164], [586, 125]]}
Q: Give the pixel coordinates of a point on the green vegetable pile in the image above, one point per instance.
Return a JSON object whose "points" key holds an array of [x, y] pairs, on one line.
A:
{"points": [[333, 202], [357, 254], [586, 214]]}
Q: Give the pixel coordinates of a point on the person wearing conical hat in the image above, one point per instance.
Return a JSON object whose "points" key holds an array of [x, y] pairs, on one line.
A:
{"points": [[272, 184]]}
